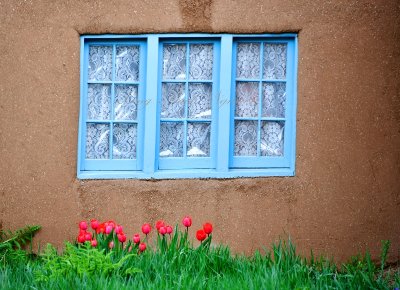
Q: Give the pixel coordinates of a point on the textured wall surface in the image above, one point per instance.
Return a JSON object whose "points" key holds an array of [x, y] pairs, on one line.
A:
{"points": [[346, 192]]}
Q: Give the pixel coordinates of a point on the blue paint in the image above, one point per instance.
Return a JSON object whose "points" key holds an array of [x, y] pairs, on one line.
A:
{"points": [[221, 163]]}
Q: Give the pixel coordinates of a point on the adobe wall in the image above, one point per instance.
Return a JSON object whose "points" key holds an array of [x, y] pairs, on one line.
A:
{"points": [[346, 192]]}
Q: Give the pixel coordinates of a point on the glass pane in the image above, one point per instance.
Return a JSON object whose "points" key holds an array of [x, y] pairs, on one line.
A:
{"points": [[248, 61], [201, 61], [173, 100], [245, 138], [274, 100], [126, 98], [124, 141], [174, 61], [272, 138], [198, 139], [127, 63], [97, 141], [100, 63], [274, 65], [246, 99], [171, 139], [200, 96], [99, 99]]}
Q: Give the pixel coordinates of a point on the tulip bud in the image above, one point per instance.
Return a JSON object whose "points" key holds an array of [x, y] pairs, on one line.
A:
{"points": [[207, 227], [187, 221], [162, 230], [146, 228], [142, 247], [121, 238], [201, 235], [81, 239], [160, 224], [118, 229], [136, 238], [88, 236], [94, 224], [94, 243], [109, 229], [169, 230], [83, 225]]}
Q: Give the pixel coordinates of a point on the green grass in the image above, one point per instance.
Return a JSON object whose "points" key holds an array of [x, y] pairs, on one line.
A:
{"points": [[180, 266]]}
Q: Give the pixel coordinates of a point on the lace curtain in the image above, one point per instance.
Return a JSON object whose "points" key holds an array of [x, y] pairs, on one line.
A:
{"points": [[99, 102], [196, 105], [258, 136]]}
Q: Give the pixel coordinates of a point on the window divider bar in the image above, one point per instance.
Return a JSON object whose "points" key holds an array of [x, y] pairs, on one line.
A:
{"points": [[224, 103], [113, 72], [185, 123], [150, 123]]}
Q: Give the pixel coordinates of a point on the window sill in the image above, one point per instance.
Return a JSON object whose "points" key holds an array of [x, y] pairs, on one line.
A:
{"points": [[185, 174]]}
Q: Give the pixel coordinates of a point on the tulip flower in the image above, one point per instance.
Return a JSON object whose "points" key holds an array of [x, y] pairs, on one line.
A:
{"points": [[146, 228], [187, 221], [88, 236], [118, 229], [83, 225], [101, 229], [94, 224], [169, 230], [94, 243], [201, 235], [142, 247], [207, 227], [81, 239], [136, 238], [121, 238], [162, 230], [109, 229], [160, 224], [111, 223]]}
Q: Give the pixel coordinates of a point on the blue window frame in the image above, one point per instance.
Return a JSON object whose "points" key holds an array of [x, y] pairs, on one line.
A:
{"points": [[187, 106]]}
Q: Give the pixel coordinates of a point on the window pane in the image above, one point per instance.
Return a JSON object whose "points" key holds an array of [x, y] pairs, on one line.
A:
{"points": [[248, 61], [99, 98], [200, 96], [127, 63], [126, 98], [274, 100], [246, 138], [124, 141], [246, 99], [201, 61], [100, 63], [97, 141], [173, 100], [171, 139], [174, 61], [198, 139], [272, 138], [274, 65]]}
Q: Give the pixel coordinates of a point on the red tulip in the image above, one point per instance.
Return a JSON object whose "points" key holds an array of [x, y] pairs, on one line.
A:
{"points": [[111, 245], [94, 224], [136, 238], [160, 224], [169, 230], [207, 227], [94, 243], [121, 238], [111, 223], [187, 221], [162, 230], [201, 235], [119, 230], [83, 225], [142, 247], [108, 229], [88, 236], [101, 229], [81, 239], [146, 228]]}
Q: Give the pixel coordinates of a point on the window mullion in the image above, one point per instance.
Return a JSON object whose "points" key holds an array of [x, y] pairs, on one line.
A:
{"points": [[224, 103], [150, 106]]}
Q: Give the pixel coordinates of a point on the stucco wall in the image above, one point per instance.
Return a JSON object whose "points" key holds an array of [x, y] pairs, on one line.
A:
{"points": [[346, 192]]}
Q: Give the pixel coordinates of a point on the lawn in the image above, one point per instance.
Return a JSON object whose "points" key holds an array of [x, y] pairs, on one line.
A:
{"points": [[174, 263]]}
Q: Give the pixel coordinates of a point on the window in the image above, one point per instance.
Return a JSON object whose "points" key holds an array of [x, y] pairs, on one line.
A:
{"points": [[187, 106]]}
